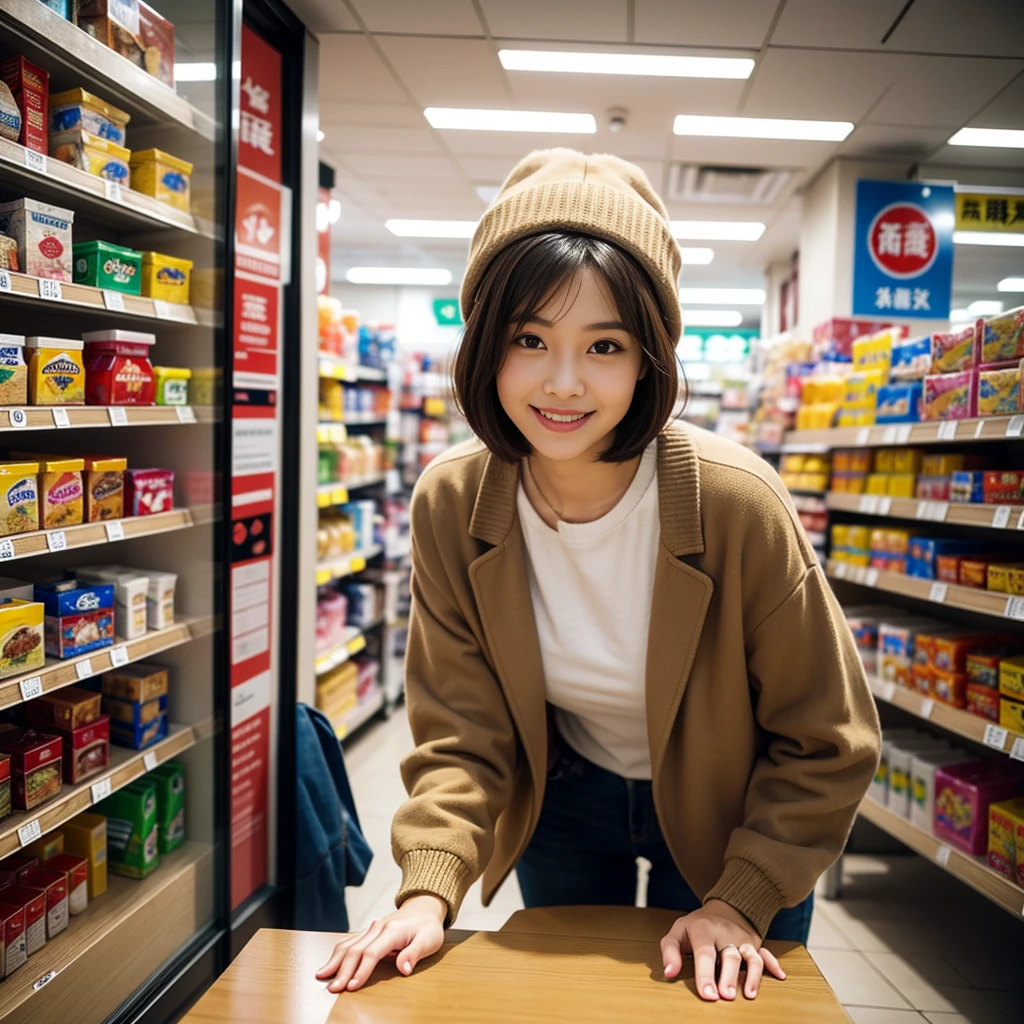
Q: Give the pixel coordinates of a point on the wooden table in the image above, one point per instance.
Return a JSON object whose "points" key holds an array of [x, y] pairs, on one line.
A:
{"points": [[594, 964]]}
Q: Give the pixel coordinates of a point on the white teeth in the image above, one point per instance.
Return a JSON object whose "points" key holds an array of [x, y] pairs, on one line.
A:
{"points": [[562, 419]]}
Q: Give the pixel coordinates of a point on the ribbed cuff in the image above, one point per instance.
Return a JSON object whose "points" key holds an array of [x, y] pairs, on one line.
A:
{"points": [[438, 873], [746, 888]]}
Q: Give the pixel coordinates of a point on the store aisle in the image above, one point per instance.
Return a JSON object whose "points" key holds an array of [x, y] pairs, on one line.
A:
{"points": [[884, 969]]}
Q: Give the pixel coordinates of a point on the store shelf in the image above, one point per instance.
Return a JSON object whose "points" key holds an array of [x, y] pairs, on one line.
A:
{"points": [[57, 674], [125, 766], [41, 417], [332, 368], [360, 715], [954, 720], [338, 493], [994, 428], [331, 433], [984, 602], [32, 293], [41, 542], [346, 565], [100, 930], [65, 185], [972, 870], [355, 642], [60, 46], [364, 419], [999, 517]]}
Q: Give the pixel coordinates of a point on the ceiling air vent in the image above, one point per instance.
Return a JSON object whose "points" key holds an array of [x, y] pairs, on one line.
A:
{"points": [[704, 183]]}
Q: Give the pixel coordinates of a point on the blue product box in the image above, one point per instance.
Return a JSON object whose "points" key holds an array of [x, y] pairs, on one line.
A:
{"points": [[899, 403], [911, 359], [139, 737], [79, 619], [925, 549], [967, 486], [921, 569]]}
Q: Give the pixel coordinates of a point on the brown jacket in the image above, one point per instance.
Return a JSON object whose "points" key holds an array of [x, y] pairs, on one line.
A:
{"points": [[762, 729]]}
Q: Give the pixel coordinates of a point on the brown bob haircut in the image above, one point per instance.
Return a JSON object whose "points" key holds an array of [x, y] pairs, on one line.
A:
{"points": [[516, 285]]}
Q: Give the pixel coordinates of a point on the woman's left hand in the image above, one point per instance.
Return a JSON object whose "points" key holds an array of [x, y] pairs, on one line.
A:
{"points": [[717, 932]]}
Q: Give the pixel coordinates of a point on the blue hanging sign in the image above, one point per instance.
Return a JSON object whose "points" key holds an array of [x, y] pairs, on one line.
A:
{"points": [[903, 250]]}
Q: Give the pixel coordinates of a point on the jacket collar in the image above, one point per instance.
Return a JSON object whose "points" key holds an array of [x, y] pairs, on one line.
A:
{"points": [[678, 495]]}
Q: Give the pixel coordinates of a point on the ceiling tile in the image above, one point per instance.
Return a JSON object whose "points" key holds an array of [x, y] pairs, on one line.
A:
{"points": [[567, 20], [953, 26], [844, 24], [767, 153], [736, 23], [972, 157], [871, 140], [334, 112], [351, 70], [371, 139], [485, 169], [1005, 111], [324, 15], [376, 167], [447, 72], [438, 17]]}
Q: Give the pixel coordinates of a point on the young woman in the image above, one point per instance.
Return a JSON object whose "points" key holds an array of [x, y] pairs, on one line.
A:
{"points": [[621, 644]]}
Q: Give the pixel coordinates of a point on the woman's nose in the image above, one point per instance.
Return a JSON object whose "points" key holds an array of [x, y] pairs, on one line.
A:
{"points": [[565, 381]]}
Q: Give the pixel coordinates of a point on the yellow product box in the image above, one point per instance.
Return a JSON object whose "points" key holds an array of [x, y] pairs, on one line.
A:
{"points": [[822, 389], [86, 836], [840, 535], [102, 157], [999, 390], [792, 463], [877, 483], [1011, 678], [902, 485], [21, 636], [885, 460], [862, 558], [162, 176], [941, 465], [1011, 714], [863, 386], [1016, 581], [873, 352], [816, 464], [46, 847], [998, 578], [879, 539], [859, 537], [811, 481], [1005, 817], [19, 497], [203, 386], [166, 277], [56, 372], [907, 460]]}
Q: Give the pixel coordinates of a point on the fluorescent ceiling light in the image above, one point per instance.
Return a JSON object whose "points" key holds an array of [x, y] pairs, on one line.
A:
{"points": [[997, 138], [510, 120], [1011, 284], [195, 72], [728, 296], [319, 135], [712, 318], [661, 65], [987, 238], [717, 230], [985, 307], [762, 128], [696, 254], [959, 316], [431, 228], [398, 275]]}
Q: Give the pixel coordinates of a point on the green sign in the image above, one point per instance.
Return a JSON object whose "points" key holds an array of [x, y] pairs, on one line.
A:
{"points": [[712, 345], [446, 312]]}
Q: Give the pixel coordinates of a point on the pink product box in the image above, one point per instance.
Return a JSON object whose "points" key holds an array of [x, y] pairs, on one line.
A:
{"points": [[932, 488], [963, 793], [950, 396], [957, 350], [331, 616], [1001, 338]]}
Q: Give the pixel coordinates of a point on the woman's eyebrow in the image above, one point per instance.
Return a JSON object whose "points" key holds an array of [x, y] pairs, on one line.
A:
{"points": [[601, 325]]}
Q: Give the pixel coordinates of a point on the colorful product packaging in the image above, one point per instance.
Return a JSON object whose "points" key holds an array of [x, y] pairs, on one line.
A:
{"points": [[14, 866], [149, 491], [166, 277], [953, 351], [43, 235], [30, 87], [164, 177], [963, 795], [79, 618], [86, 749], [90, 153], [999, 574], [56, 375], [77, 870], [116, 24], [55, 885], [32, 902], [137, 724], [911, 358], [901, 754], [12, 938], [117, 368], [1003, 818], [932, 488], [203, 387], [35, 766], [136, 683], [1011, 677], [130, 590], [103, 481], [62, 498], [949, 396], [19, 497], [1003, 487], [70, 707], [999, 391], [950, 688], [1002, 336], [157, 34], [160, 599], [86, 836], [104, 265], [22, 637], [966, 487], [76, 108], [982, 667], [45, 847], [5, 785], [172, 385], [13, 370], [974, 573], [169, 779], [132, 843], [898, 403], [1011, 715], [983, 701]]}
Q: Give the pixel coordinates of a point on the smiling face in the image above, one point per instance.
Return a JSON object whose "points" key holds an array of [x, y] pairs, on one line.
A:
{"points": [[570, 372]]}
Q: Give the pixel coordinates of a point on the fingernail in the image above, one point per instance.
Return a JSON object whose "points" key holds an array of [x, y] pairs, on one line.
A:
{"points": [[709, 991], [668, 970], [353, 983], [730, 992], [407, 967]]}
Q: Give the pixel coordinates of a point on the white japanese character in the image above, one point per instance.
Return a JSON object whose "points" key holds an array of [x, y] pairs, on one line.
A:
{"points": [[258, 133], [901, 298], [883, 298], [922, 298], [917, 240], [890, 238], [259, 98]]}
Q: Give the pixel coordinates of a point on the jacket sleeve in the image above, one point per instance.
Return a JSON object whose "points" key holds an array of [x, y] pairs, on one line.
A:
{"points": [[459, 777], [823, 744]]}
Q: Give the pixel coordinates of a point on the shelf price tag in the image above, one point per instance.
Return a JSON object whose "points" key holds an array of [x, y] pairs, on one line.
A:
{"points": [[114, 301], [35, 161], [60, 417], [888, 691], [5, 281], [119, 656], [903, 433], [118, 416], [31, 688], [186, 414], [150, 761], [1015, 426], [979, 429], [884, 506], [868, 504], [927, 707], [1020, 522], [863, 436], [840, 570], [17, 418], [6, 549], [113, 192], [947, 430], [923, 510], [942, 855], [100, 790], [167, 310], [938, 592], [1014, 608], [871, 578], [939, 511], [1017, 750], [29, 832], [115, 530], [57, 540], [83, 669], [889, 435], [994, 736], [50, 290], [1001, 516]]}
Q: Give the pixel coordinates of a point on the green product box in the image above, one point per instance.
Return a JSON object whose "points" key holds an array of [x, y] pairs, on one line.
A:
{"points": [[169, 779], [104, 265], [131, 829]]}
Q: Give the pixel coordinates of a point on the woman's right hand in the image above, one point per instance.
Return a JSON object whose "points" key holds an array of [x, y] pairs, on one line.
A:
{"points": [[412, 932]]}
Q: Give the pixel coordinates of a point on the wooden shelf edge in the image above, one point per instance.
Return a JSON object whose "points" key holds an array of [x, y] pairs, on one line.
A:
{"points": [[890, 435], [955, 513]]}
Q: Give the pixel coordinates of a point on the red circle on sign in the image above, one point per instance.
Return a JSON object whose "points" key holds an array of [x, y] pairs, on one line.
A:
{"points": [[51, 247], [902, 240]]}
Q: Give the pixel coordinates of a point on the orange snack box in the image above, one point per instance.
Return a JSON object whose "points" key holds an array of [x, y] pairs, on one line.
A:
{"points": [[950, 687], [974, 573], [983, 701], [923, 676], [947, 568]]}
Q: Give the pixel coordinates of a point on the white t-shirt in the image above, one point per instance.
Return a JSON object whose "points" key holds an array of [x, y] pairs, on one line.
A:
{"points": [[591, 585]]}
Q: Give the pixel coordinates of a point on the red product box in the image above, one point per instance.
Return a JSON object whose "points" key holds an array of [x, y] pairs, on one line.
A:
{"points": [[947, 568], [117, 368], [12, 868], [33, 902], [923, 677], [1003, 487], [86, 749], [35, 766], [950, 687], [30, 87], [157, 34], [12, 938], [949, 653], [983, 701], [55, 885], [77, 870], [148, 491]]}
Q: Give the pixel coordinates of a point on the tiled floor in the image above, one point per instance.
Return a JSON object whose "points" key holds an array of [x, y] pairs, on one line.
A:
{"points": [[906, 942]]}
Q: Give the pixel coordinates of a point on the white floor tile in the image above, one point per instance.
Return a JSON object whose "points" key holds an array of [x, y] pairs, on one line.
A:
{"points": [[855, 981], [926, 982], [825, 934], [879, 1015]]}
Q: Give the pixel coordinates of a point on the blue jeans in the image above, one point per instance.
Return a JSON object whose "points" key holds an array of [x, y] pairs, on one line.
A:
{"points": [[592, 827]]}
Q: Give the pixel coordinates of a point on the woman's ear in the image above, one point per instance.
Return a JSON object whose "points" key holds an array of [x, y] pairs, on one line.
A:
{"points": [[644, 367]]}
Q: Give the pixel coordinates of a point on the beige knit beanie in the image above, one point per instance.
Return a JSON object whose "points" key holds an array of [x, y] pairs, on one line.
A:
{"points": [[596, 193]]}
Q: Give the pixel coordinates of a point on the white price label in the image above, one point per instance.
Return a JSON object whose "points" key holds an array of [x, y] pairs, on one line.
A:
{"points": [[31, 688], [840, 570], [923, 510], [119, 656], [1017, 750], [994, 736], [35, 161], [871, 578], [150, 761], [83, 669], [100, 790], [1020, 522], [57, 540], [942, 855], [186, 414], [1001, 516], [50, 290], [113, 300], [29, 832], [1014, 608], [889, 435], [884, 506], [927, 707], [979, 429], [903, 433], [17, 418], [938, 592], [869, 503], [113, 190], [167, 310], [947, 430], [1015, 426], [6, 549], [115, 530], [118, 416], [5, 281], [888, 691], [60, 417], [939, 511], [863, 435]]}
